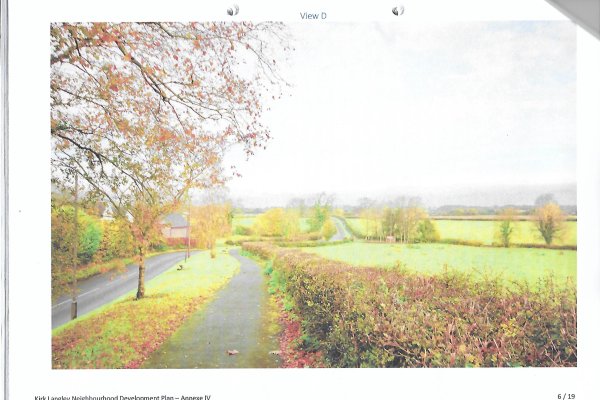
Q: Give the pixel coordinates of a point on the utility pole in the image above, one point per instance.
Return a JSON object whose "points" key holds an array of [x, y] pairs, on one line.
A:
{"points": [[187, 255], [75, 250]]}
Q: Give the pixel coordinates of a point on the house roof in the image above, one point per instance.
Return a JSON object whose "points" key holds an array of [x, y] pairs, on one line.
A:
{"points": [[175, 220]]}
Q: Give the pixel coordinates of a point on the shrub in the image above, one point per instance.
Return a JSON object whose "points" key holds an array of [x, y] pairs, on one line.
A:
{"points": [[117, 241], [62, 231], [427, 232], [371, 317], [462, 242]]}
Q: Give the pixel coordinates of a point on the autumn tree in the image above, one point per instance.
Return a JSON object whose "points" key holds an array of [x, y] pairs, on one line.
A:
{"points": [[210, 222], [144, 112], [402, 222], [506, 226], [320, 211], [83, 233], [427, 231], [369, 215], [549, 221], [278, 222], [371, 221]]}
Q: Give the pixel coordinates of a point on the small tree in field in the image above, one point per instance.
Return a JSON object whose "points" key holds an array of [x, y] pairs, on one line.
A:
{"points": [[549, 221], [320, 212], [506, 226], [427, 231]]}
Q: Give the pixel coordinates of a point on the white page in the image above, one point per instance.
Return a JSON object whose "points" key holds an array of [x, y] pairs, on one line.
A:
{"points": [[30, 364]]}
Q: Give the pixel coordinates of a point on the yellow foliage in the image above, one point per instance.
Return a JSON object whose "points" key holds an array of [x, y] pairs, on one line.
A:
{"points": [[278, 222], [328, 229], [210, 222]]}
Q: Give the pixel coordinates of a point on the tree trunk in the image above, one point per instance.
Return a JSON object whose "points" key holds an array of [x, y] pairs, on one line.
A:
{"points": [[141, 275]]}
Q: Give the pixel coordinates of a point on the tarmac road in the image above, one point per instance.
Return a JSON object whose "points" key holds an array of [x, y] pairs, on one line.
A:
{"points": [[101, 289], [342, 233]]}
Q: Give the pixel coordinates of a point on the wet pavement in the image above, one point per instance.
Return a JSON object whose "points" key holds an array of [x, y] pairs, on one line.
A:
{"points": [[236, 320]]}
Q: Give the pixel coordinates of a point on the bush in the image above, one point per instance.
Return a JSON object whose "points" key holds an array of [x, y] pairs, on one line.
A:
{"points": [[312, 243], [117, 241], [371, 317], [90, 236], [62, 231], [462, 242], [427, 232]]}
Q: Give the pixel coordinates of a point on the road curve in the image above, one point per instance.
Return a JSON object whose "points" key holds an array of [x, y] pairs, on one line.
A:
{"points": [[103, 288], [342, 233]]}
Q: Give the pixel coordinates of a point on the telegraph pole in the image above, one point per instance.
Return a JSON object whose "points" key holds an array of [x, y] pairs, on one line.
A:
{"points": [[187, 254], [75, 249]]}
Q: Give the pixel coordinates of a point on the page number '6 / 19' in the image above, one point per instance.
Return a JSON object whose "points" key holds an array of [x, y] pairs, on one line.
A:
{"points": [[566, 396]]}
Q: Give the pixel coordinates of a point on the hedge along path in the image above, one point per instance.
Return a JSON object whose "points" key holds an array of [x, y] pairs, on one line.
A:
{"points": [[374, 317], [125, 332], [239, 320]]}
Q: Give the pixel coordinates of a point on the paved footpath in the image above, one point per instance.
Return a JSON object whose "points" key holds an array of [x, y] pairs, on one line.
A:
{"points": [[236, 319]]}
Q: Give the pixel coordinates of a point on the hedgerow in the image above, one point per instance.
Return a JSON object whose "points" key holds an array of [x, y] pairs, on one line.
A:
{"points": [[373, 317]]}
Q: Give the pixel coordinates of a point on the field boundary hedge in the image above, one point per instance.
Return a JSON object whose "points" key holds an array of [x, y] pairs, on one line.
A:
{"points": [[476, 243], [373, 317]]}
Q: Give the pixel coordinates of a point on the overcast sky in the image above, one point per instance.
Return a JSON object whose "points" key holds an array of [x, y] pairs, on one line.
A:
{"points": [[390, 108]]}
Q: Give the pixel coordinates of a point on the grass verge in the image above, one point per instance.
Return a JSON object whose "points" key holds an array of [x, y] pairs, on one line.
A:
{"points": [[125, 332]]}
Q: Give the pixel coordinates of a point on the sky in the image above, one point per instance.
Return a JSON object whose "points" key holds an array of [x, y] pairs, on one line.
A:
{"points": [[437, 111]]}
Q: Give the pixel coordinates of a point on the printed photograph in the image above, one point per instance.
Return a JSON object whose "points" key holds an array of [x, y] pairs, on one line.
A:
{"points": [[299, 195]]}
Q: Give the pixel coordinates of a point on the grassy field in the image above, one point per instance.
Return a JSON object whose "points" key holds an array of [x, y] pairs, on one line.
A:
{"points": [[124, 332], [243, 220], [521, 264], [485, 231]]}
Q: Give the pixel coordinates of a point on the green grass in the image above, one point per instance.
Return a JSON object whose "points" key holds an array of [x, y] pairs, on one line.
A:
{"points": [[304, 227], [124, 332], [485, 231], [243, 220], [522, 264]]}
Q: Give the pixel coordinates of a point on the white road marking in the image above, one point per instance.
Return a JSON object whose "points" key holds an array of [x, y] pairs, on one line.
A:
{"points": [[79, 296]]}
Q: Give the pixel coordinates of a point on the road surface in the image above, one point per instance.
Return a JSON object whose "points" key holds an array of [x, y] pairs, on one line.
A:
{"points": [[236, 320], [101, 289], [342, 233]]}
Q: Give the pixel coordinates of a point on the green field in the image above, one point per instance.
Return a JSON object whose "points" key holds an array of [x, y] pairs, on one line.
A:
{"points": [[521, 264], [485, 231], [243, 220]]}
